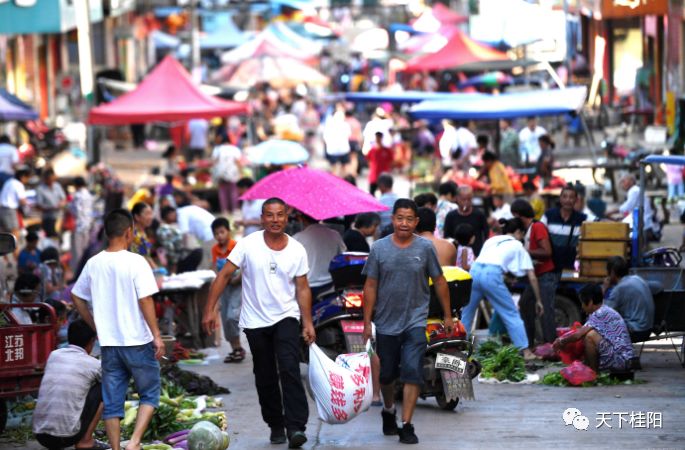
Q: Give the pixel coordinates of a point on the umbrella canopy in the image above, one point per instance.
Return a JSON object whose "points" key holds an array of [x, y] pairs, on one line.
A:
{"points": [[460, 52], [277, 152], [10, 111], [317, 194], [506, 106], [167, 94], [490, 79], [279, 72]]}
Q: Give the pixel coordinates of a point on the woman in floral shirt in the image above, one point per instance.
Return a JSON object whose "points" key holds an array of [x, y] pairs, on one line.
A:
{"points": [[142, 219]]}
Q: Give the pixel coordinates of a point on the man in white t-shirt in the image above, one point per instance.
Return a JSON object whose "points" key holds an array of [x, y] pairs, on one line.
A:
{"points": [[322, 245], [198, 130], [9, 156], [275, 295], [529, 146], [12, 197], [119, 286]]}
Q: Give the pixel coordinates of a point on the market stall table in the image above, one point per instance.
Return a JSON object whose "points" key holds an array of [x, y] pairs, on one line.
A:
{"points": [[189, 292]]}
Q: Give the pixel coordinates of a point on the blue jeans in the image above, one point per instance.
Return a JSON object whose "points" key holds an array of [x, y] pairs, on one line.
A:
{"points": [[675, 190], [488, 283], [119, 364]]}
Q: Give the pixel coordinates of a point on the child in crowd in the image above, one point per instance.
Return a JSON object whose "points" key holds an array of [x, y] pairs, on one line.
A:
{"points": [[51, 275], [29, 257], [466, 236], [380, 160], [531, 194], [231, 297]]}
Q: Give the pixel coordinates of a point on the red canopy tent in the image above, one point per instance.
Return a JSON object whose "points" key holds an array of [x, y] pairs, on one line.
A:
{"points": [[446, 15], [463, 53], [167, 94]]}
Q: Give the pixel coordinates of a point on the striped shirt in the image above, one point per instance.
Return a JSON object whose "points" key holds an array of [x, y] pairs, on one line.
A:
{"points": [[69, 375], [564, 236]]}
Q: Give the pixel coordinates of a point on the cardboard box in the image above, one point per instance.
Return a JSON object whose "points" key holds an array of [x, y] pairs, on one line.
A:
{"points": [[605, 231]]}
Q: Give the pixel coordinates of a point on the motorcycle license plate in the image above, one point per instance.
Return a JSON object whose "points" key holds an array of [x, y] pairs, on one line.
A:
{"points": [[352, 330], [450, 362]]}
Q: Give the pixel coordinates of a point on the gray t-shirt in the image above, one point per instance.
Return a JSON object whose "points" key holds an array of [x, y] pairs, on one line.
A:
{"points": [[632, 299], [402, 274]]}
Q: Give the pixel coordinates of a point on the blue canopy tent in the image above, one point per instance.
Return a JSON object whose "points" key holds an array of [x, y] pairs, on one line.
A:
{"points": [[162, 40], [9, 110], [13, 99], [222, 31], [505, 106], [407, 97]]}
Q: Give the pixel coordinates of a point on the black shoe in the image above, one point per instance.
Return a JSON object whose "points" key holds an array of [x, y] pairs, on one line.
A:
{"points": [[389, 423], [407, 435], [277, 435], [297, 439]]}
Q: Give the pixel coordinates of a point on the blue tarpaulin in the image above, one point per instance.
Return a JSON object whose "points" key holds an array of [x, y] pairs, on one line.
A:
{"points": [[406, 96], [505, 106], [10, 111]]}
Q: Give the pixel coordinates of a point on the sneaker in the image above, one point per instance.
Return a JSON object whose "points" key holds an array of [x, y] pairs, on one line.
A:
{"points": [[277, 435], [297, 439], [389, 423], [407, 435]]}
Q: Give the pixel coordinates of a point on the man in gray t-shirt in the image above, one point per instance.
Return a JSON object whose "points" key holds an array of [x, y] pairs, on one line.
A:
{"points": [[396, 296]]}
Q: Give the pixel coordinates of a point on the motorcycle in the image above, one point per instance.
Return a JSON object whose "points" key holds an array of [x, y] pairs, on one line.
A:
{"points": [[448, 365], [337, 315]]}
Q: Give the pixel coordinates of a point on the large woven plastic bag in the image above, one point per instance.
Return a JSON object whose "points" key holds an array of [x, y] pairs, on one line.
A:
{"points": [[342, 389]]}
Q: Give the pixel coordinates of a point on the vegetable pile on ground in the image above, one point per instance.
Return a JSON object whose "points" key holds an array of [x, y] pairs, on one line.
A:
{"points": [[501, 363], [178, 412], [191, 382], [603, 379]]}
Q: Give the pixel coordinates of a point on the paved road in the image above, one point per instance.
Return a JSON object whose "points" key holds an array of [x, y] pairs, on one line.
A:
{"points": [[503, 416]]}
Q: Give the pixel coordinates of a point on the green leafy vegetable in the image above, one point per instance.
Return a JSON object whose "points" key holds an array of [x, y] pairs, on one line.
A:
{"points": [[505, 364]]}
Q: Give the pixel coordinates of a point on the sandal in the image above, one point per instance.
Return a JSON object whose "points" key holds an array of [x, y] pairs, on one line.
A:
{"points": [[97, 445], [235, 356]]}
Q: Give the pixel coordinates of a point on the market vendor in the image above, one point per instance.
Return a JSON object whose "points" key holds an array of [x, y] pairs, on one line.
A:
{"points": [[631, 297], [605, 334], [69, 402]]}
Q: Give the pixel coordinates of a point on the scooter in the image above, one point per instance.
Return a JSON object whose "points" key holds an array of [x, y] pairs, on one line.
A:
{"points": [[337, 315], [448, 365]]}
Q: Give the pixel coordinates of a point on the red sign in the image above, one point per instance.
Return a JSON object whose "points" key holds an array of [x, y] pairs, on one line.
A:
{"points": [[352, 326]]}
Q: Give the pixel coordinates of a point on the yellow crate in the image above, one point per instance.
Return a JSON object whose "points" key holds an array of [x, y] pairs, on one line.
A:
{"points": [[602, 249], [605, 231], [593, 268]]}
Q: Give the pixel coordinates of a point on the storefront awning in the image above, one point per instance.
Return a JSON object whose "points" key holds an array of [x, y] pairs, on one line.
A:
{"points": [[43, 16]]}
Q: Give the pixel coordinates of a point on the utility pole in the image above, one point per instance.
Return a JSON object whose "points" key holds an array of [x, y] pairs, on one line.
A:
{"points": [[194, 41], [85, 63]]}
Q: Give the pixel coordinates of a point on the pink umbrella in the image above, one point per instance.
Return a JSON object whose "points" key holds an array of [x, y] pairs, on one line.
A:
{"points": [[316, 193]]}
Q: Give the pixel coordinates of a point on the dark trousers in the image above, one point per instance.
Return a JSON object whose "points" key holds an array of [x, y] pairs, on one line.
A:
{"points": [[191, 262], [548, 283], [48, 225], [276, 358], [90, 408]]}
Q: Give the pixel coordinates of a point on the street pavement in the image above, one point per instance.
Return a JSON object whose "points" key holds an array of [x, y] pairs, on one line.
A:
{"points": [[502, 416]]}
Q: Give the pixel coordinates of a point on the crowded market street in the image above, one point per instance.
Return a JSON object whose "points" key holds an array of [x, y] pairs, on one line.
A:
{"points": [[342, 224]]}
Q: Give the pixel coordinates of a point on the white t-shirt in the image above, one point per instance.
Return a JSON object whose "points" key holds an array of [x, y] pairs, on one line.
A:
{"points": [[252, 210], [114, 282], [503, 212], [12, 193], [321, 244], [8, 157], [632, 202], [336, 135], [528, 143], [196, 221], [226, 160], [507, 253], [198, 133], [268, 280]]}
